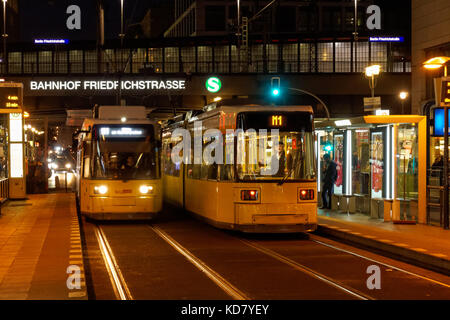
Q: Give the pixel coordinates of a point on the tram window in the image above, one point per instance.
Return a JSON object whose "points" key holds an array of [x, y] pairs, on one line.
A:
{"points": [[86, 167], [226, 172], [190, 170], [170, 168]]}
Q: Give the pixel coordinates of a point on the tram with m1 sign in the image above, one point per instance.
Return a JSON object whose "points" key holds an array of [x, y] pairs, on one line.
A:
{"points": [[248, 168], [118, 165]]}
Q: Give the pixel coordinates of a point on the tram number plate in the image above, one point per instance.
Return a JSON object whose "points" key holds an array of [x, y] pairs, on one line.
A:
{"points": [[124, 201], [280, 218]]}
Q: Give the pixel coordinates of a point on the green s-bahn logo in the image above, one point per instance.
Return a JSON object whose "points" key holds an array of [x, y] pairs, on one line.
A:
{"points": [[213, 84]]}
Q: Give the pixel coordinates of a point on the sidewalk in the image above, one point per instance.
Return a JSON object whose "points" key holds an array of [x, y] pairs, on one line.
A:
{"points": [[39, 240], [426, 246]]}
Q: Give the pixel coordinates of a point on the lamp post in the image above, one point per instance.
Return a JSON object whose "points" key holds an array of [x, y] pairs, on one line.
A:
{"points": [[403, 95], [122, 34], [355, 34], [371, 73], [437, 63], [4, 35]]}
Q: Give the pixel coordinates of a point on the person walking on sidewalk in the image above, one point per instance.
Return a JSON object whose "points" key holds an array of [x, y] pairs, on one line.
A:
{"points": [[329, 179]]}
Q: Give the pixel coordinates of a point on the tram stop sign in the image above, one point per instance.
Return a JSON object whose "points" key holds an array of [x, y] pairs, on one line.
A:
{"points": [[213, 84]]}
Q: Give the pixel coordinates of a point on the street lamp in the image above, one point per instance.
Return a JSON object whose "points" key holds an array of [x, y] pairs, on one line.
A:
{"points": [[403, 95], [4, 35], [431, 64], [371, 73]]}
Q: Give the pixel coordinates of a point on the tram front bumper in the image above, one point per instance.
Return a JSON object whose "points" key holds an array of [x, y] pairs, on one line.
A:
{"points": [[300, 217], [118, 208]]}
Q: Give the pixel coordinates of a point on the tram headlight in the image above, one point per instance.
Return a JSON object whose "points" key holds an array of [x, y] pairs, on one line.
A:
{"points": [[306, 194], [100, 189], [249, 195], [144, 189]]}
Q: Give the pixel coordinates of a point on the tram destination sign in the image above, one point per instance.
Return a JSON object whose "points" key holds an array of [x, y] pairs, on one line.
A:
{"points": [[10, 96]]}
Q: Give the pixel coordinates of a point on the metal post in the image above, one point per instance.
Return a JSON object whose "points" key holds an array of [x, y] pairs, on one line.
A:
{"points": [[4, 35], [355, 35], [446, 168], [446, 211], [121, 23]]}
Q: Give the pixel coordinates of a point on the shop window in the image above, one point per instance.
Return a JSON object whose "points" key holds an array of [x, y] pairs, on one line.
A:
{"points": [[188, 59], [325, 57], [204, 59], [61, 62], [221, 59], [29, 62], [339, 160], [407, 156], [171, 62], [377, 164], [307, 57], [76, 61], [272, 58], [15, 62], [360, 162], [139, 60], [290, 57], [343, 56], [90, 60], [4, 146], [257, 58]]}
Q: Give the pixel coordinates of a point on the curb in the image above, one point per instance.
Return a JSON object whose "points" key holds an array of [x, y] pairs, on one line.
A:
{"points": [[400, 253]]}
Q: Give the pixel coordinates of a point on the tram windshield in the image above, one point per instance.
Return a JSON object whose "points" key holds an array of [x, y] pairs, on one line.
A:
{"points": [[291, 160], [123, 152]]}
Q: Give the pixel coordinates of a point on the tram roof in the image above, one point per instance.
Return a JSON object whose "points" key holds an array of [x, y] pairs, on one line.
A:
{"points": [[208, 111]]}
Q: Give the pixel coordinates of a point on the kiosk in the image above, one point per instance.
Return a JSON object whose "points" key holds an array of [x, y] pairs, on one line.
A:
{"points": [[12, 165], [381, 163]]}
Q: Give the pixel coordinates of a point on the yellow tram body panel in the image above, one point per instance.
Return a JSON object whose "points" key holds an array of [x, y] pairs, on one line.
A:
{"points": [[278, 208], [173, 190], [123, 200]]}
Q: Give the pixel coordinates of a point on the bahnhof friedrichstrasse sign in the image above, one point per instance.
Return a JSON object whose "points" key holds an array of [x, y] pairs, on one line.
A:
{"points": [[107, 85]]}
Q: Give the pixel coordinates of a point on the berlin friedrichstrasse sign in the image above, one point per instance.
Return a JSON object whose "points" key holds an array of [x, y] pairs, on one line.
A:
{"points": [[372, 103], [108, 85]]}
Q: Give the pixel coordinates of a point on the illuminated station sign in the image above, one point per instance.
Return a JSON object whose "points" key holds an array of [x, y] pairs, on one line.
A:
{"points": [[108, 85]]}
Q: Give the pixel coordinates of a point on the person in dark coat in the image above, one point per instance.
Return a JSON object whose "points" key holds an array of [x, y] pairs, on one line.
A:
{"points": [[329, 179]]}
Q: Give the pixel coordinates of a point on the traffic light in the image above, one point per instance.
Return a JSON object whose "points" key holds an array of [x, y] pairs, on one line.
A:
{"points": [[275, 86]]}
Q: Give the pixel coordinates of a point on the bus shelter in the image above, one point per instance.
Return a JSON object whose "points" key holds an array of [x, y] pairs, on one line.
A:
{"points": [[381, 165]]}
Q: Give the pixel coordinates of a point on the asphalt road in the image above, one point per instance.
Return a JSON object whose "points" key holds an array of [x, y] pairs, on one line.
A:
{"points": [[177, 257]]}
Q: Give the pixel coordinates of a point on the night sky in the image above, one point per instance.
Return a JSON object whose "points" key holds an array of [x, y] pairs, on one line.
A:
{"points": [[47, 18]]}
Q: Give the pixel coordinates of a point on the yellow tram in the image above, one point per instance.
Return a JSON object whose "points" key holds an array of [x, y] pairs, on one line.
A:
{"points": [[118, 165], [236, 194]]}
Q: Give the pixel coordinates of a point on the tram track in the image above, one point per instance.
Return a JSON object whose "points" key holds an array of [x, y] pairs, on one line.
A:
{"points": [[316, 240], [118, 282], [313, 273], [220, 281], [236, 288]]}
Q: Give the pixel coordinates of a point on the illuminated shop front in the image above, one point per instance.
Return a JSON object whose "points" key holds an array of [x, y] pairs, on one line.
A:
{"points": [[12, 166], [381, 165]]}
